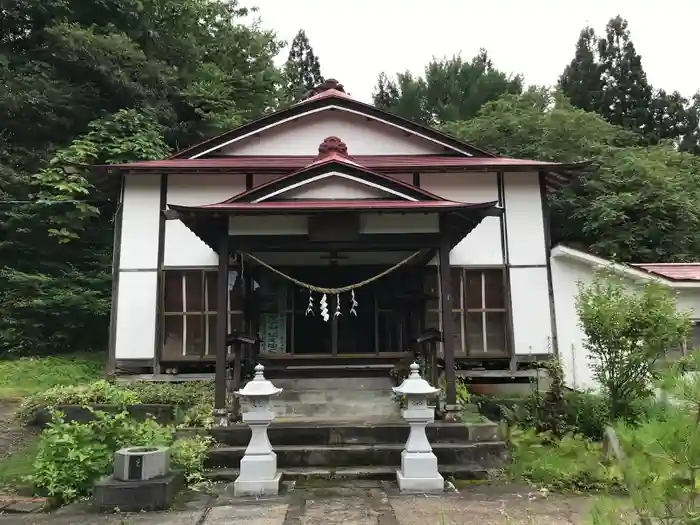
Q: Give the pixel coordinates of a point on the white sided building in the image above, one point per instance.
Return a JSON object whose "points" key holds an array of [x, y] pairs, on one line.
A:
{"points": [[337, 233]]}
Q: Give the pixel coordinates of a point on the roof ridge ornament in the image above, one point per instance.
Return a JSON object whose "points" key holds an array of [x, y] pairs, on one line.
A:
{"points": [[329, 83], [330, 146]]}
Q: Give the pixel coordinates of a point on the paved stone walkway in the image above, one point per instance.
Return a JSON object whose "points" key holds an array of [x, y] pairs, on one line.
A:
{"points": [[357, 504]]}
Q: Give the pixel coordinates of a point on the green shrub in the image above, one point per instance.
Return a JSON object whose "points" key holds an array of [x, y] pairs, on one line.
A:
{"points": [[188, 393], [72, 456], [189, 454], [570, 463], [98, 392], [587, 413], [185, 394]]}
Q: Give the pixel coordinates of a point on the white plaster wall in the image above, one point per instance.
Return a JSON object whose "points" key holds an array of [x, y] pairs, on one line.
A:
{"points": [[524, 221], [532, 326], [566, 275], [483, 245], [136, 315], [140, 221], [182, 247], [334, 187], [303, 136], [688, 301]]}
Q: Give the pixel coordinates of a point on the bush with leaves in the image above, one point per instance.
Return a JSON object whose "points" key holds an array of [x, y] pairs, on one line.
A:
{"points": [[661, 463], [186, 395], [72, 456], [570, 463], [627, 333], [189, 454]]}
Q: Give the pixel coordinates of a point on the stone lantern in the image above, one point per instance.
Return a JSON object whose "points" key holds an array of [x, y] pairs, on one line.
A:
{"points": [[258, 476], [419, 466]]}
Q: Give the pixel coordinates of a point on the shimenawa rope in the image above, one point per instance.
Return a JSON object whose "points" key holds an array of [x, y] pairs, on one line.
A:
{"points": [[331, 291]]}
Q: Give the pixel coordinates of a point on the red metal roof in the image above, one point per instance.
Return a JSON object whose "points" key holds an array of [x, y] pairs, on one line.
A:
{"points": [[299, 206], [288, 163], [673, 271]]}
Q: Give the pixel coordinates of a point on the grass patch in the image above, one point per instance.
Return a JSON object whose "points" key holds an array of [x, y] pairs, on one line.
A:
{"points": [[29, 375], [15, 467]]}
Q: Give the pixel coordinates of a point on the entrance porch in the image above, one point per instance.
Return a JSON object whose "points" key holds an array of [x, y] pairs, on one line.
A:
{"points": [[372, 285]]}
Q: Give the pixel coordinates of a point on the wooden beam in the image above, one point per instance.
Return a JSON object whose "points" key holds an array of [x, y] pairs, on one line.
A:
{"points": [[301, 243], [447, 322], [221, 324]]}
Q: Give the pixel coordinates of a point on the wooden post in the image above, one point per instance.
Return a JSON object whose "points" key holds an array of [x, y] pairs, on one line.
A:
{"points": [[221, 324], [447, 322]]}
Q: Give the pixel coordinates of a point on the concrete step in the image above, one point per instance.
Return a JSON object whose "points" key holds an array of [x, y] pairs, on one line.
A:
{"points": [[329, 395], [337, 409], [465, 472], [352, 384], [360, 433], [486, 454]]}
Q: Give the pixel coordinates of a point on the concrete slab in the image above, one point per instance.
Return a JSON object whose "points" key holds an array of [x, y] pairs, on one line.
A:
{"points": [[263, 514], [151, 518]]}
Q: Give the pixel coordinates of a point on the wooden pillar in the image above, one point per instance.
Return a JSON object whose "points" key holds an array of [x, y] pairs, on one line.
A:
{"points": [[221, 324], [447, 322]]}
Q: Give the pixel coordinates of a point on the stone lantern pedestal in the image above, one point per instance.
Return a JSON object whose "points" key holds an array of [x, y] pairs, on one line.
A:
{"points": [[419, 466], [258, 476]]}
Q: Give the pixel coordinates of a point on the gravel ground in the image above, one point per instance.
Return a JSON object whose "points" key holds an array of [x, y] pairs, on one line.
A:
{"points": [[12, 435]]}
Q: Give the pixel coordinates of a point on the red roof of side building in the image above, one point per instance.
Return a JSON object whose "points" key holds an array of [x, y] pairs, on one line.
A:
{"points": [[673, 271]]}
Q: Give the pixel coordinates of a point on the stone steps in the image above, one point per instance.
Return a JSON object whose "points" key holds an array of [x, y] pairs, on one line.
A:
{"points": [[486, 454], [312, 433], [335, 398], [466, 472]]}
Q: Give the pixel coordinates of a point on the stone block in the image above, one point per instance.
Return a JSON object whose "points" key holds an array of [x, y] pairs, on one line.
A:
{"points": [[136, 496], [141, 463]]}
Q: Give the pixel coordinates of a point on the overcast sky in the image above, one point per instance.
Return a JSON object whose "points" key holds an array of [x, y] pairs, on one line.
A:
{"points": [[357, 39]]}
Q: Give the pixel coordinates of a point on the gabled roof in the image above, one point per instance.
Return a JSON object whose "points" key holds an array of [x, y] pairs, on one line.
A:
{"points": [[328, 96], [333, 160]]}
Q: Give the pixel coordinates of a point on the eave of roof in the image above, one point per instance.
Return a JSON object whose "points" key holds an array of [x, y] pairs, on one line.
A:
{"points": [[382, 163], [314, 206]]}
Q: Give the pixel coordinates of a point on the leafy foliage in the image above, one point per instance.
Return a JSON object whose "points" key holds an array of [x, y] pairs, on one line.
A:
{"points": [[189, 454], [661, 455], [570, 463], [626, 334], [452, 89], [124, 81], [606, 76], [637, 203], [302, 71], [196, 395], [72, 456]]}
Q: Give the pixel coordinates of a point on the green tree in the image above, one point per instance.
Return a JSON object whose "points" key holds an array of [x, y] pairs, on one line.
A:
{"points": [[451, 89], [636, 203], [98, 83], [302, 71], [627, 333], [606, 76]]}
